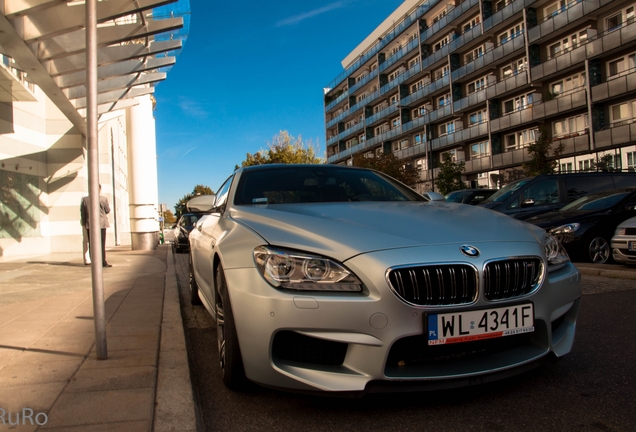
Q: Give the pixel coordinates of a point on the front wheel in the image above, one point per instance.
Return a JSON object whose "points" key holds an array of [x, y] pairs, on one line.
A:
{"points": [[194, 288], [597, 249], [230, 359]]}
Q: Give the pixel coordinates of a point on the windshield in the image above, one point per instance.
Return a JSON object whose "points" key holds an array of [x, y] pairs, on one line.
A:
{"points": [[458, 196], [320, 183], [595, 202], [503, 193]]}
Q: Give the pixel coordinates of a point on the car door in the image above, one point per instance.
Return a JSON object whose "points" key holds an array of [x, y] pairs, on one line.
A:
{"points": [[202, 256], [537, 197]]}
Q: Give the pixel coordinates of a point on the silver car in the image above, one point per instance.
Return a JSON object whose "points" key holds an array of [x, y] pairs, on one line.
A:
{"points": [[624, 242], [339, 279]]}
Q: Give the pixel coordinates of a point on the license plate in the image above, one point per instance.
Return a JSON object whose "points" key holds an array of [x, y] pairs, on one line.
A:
{"points": [[631, 245], [474, 325]]}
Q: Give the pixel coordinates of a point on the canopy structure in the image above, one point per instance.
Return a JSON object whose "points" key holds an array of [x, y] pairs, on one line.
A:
{"points": [[43, 43]]}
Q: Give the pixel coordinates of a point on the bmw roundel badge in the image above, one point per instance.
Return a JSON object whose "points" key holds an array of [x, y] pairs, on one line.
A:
{"points": [[469, 251]]}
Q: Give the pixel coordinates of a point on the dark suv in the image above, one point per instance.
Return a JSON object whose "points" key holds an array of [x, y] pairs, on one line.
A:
{"points": [[182, 231], [548, 192]]}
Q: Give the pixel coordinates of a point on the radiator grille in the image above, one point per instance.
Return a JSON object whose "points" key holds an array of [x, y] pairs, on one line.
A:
{"points": [[511, 278], [435, 285]]}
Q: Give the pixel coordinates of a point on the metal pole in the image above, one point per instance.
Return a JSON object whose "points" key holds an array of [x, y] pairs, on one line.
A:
{"points": [[93, 181]]}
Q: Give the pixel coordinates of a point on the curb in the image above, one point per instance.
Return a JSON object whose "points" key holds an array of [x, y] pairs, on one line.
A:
{"points": [[174, 401], [609, 273]]}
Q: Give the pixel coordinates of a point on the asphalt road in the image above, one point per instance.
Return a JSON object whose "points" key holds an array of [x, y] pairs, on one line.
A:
{"points": [[592, 389]]}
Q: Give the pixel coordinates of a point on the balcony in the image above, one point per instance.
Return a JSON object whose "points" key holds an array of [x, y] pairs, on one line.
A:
{"points": [[489, 57], [338, 118], [335, 102], [615, 86], [346, 153], [346, 133], [438, 56], [476, 98], [477, 165], [382, 114], [567, 16], [460, 136], [513, 119], [363, 81], [464, 38], [384, 136], [428, 89], [616, 135], [508, 12], [511, 158], [452, 14], [398, 55], [515, 82], [416, 150], [573, 144], [561, 104]]}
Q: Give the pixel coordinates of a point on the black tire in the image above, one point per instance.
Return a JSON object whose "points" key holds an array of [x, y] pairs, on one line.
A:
{"points": [[597, 249], [194, 288], [230, 359]]}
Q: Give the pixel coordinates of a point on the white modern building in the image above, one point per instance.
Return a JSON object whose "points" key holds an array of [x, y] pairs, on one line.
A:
{"points": [[43, 166], [478, 80]]}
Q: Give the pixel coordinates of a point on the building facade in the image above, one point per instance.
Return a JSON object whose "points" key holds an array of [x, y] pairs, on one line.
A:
{"points": [[480, 80], [43, 98]]}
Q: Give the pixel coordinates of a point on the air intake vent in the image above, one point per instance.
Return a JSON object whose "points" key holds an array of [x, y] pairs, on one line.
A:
{"points": [[512, 278], [435, 285]]}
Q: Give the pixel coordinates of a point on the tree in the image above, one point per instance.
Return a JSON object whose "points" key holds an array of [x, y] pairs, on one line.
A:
{"points": [[604, 163], [168, 217], [180, 206], [449, 178], [540, 161], [390, 165], [285, 149]]}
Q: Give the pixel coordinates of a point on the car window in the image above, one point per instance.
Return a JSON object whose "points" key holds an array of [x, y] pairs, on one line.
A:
{"points": [[458, 196], [505, 192], [308, 184], [595, 202], [479, 197], [543, 192], [221, 194], [578, 186]]}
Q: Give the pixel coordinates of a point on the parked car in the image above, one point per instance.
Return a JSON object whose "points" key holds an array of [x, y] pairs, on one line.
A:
{"points": [[470, 196], [624, 242], [585, 226], [544, 193], [330, 278], [196, 209]]}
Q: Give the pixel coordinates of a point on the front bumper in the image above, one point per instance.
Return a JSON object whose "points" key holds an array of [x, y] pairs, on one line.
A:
{"points": [[383, 337], [620, 251]]}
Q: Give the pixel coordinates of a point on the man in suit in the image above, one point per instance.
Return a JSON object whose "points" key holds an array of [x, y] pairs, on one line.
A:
{"points": [[104, 209]]}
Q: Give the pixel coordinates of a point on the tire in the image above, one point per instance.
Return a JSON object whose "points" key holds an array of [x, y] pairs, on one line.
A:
{"points": [[597, 249], [230, 359], [194, 288]]}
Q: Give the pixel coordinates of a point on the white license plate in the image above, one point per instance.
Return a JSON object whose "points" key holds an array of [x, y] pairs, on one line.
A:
{"points": [[631, 245], [474, 325]]}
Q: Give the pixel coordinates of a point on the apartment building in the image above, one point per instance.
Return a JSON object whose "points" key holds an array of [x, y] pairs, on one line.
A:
{"points": [[478, 80]]}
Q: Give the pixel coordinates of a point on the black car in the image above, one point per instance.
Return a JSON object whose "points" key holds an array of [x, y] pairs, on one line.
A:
{"points": [[182, 231], [470, 196], [586, 226]]}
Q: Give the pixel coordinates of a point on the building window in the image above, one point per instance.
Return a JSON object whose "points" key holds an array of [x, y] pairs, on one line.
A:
{"points": [[396, 122], [362, 97], [418, 85], [477, 117], [623, 112], [520, 139], [441, 72], [621, 66], [586, 165], [379, 130], [623, 17], [393, 75], [441, 43], [477, 85], [442, 14], [511, 33], [568, 43], [362, 76], [414, 61], [447, 128], [393, 99], [475, 53], [352, 142], [479, 150], [631, 161], [566, 167], [380, 107], [419, 138], [514, 68], [442, 101], [518, 103], [567, 84], [362, 138], [554, 9], [470, 24], [499, 5], [419, 112], [569, 126], [400, 145], [413, 36]]}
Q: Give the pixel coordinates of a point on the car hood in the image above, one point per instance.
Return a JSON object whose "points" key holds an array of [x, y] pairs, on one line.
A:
{"points": [[343, 230]]}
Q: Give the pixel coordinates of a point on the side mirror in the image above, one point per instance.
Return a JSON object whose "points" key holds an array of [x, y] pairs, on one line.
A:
{"points": [[434, 196]]}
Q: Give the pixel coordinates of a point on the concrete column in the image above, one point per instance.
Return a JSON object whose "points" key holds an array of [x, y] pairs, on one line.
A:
{"points": [[142, 175]]}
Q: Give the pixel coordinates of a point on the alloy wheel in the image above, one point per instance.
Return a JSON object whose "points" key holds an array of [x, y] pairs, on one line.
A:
{"points": [[599, 250]]}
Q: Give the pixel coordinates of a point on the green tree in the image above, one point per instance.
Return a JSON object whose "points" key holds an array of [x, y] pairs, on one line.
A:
{"points": [[180, 206], [541, 162], [604, 163], [168, 217], [286, 149], [390, 165], [449, 178]]}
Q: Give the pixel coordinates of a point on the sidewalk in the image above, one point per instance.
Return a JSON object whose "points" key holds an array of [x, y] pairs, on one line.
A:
{"points": [[50, 378]]}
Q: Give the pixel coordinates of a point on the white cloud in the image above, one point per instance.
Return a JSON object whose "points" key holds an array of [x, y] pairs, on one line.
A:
{"points": [[306, 15], [192, 108]]}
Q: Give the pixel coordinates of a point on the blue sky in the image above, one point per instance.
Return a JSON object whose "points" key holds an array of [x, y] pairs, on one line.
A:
{"points": [[248, 70]]}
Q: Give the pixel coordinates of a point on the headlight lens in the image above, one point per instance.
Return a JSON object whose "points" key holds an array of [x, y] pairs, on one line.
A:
{"points": [[555, 253], [565, 229], [305, 272], [620, 232]]}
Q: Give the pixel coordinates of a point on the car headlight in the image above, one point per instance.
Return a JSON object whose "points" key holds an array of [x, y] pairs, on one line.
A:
{"points": [[555, 253], [565, 229], [305, 272], [619, 232]]}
